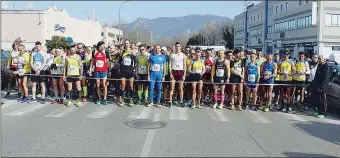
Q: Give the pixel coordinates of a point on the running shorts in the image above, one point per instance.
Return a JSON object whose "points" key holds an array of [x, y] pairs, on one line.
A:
{"points": [[177, 74], [72, 79], [38, 78], [196, 77], [144, 79], [100, 75], [126, 73]]}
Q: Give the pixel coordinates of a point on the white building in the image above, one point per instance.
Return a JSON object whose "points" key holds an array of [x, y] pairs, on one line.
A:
{"points": [[110, 35], [41, 25]]}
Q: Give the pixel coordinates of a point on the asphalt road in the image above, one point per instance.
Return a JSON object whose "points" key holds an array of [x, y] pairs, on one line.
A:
{"points": [[97, 130]]}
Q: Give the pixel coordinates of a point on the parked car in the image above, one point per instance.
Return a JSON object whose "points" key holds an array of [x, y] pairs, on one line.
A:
{"points": [[333, 89], [4, 70]]}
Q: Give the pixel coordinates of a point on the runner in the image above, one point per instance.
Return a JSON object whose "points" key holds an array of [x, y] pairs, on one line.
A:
{"points": [[252, 74], [23, 71], [38, 61], [220, 74], [313, 66], [237, 77], [100, 64], [177, 72], [188, 86], [166, 84], [286, 67], [277, 80], [57, 71], [114, 69], [197, 69], [208, 88], [268, 71], [302, 69], [127, 70], [156, 75], [72, 75], [142, 74], [12, 67], [85, 58]]}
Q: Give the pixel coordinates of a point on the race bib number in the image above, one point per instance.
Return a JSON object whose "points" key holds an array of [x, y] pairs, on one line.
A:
{"points": [[208, 68], [251, 78], [114, 65], [72, 69], [57, 71], [177, 66], [99, 63], [14, 61], [142, 69], [238, 70], [21, 72], [156, 67], [220, 73], [37, 65], [268, 73], [198, 71], [127, 61]]}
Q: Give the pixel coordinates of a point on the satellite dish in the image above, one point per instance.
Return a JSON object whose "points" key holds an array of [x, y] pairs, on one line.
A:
{"points": [[4, 5], [30, 5]]}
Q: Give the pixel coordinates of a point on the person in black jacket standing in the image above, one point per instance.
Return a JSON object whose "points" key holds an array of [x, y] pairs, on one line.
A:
{"points": [[319, 85]]}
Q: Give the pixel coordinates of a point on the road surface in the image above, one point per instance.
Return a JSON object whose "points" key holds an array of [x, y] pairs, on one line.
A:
{"points": [[39, 130]]}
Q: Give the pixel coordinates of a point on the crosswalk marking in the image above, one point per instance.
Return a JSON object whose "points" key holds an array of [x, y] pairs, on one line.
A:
{"points": [[260, 118], [173, 113], [292, 116], [9, 103], [27, 109], [212, 116], [102, 112], [62, 112], [143, 114], [183, 113], [332, 121]]}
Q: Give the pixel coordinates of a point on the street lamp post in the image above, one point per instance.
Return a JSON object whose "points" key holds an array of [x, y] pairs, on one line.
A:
{"points": [[119, 39]]}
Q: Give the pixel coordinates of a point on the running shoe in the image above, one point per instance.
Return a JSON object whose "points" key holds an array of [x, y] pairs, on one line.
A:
{"points": [[139, 102], [261, 107], [131, 103], [104, 102], [158, 105], [54, 101], [214, 106], [199, 106], [150, 104], [43, 100], [181, 105], [193, 106], [25, 100], [221, 106], [315, 114], [232, 107], [69, 103], [39, 95], [289, 109], [321, 116], [7, 94], [170, 103], [84, 99], [78, 103], [33, 100], [266, 109], [98, 101], [120, 102], [254, 108], [239, 108], [61, 101], [176, 102]]}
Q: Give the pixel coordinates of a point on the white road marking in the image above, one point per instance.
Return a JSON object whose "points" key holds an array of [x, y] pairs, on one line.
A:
{"points": [[332, 121], [9, 103], [149, 138], [292, 116], [183, 113], [143, 114], [102, 112], [221, 115], [27, 109], [260, 118], [208, 110], [62, 112]]}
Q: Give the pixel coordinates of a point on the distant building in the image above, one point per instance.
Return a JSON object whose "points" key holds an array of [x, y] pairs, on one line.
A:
{"points": [[110, 35], [274, 26], [41, 25]]}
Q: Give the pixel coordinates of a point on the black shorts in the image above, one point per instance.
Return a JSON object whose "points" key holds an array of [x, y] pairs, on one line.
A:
{"points": [[188, 78], [219, 80], [167, 80], [288, 84], [38, 78], [196, 77], [72, 79], [235, 79], [115, 74], [299, 82], [57, 76], [126, 73], [144, 79]]}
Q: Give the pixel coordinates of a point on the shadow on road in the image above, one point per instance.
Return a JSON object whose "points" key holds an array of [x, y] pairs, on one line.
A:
{"points": [[325, 131], [298, 154]]}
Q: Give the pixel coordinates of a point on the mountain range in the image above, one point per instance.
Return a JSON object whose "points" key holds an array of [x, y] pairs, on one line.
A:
{"points": [[172, 26]]}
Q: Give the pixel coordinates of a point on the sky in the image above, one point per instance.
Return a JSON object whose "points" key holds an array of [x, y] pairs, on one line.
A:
{"points": [[108, 11]]}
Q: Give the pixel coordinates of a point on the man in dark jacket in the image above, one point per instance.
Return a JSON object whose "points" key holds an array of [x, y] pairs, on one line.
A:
{"points": [[319, 86]]}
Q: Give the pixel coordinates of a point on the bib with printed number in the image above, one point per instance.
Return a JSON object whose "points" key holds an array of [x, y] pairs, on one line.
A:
{"points": [[251, 78], [127, 61], [208, 68], [56, 71], [21, 72], [156, 67], [114, 65], [238, 70], [72, 69], [198, 71], [14, 61], [268, 73], [99, 63], [220, 73], [142, 69], [37, 65]]}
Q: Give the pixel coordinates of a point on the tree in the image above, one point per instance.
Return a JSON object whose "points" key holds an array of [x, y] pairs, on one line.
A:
{"points": [[57, 42], [196, 40], [227, 32]]}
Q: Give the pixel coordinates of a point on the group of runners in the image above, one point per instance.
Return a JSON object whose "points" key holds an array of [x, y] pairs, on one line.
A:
{"points": [[163, 76]]}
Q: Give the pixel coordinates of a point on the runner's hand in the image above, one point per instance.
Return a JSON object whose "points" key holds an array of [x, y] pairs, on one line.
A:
{"points": [[242, 80], [212, 80], [163, 79], [227, 81], [64, 78], [171, 77], [183, 78], [148, 78]]}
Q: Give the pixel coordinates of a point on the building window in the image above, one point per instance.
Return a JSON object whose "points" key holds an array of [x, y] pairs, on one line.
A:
{"points": [[334, 20], [281, 7], [277, 9], [269, 30], [300, 2], [287, 6], [261, 15], [306, 1], [102, 33], [258, 16]]}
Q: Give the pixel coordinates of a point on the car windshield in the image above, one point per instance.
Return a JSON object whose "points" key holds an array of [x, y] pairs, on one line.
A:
{"points": [[335, 74], [4, 54]]}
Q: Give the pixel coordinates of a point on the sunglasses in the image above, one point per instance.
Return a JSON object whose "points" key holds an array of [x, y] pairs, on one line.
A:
{"points": [[126, 43]]}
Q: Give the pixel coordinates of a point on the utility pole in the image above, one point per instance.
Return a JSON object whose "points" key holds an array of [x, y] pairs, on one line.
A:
{"points": [[320, 25], [120, 33], [137, 31]]}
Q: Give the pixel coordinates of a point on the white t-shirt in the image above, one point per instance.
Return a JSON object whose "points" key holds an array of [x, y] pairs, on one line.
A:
{"points": [[177, 61]]}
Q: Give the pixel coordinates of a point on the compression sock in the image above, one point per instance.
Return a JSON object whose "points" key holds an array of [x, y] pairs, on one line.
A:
{"points": [[140, 92], [69, 95], [80, 94], [85, 91], [215, 97], [222, 98], [146, 93]]}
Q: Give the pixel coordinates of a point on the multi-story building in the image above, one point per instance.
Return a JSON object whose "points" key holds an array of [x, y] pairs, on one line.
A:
{"points": [[41, 25], [293, 25]]}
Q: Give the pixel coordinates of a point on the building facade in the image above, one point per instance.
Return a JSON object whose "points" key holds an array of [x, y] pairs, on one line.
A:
{"points": [[41, 25], [304, 25]]}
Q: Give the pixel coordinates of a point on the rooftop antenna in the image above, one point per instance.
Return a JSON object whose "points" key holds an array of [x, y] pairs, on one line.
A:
{"points": [[4, 5], [30, 5]]}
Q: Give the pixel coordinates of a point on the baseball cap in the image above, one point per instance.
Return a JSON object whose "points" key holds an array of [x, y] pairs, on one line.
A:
{"points": [[164, 48]]}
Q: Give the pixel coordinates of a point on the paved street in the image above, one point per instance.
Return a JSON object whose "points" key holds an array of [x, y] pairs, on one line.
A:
{"points": [[98, 130]]}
